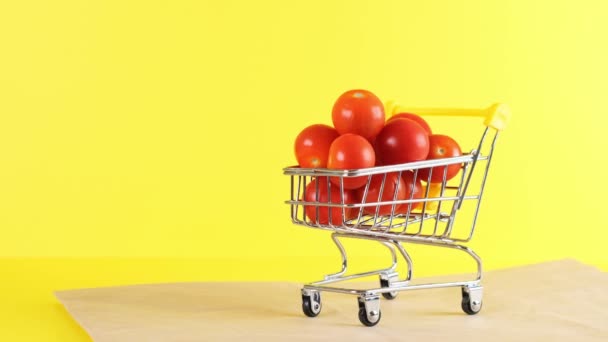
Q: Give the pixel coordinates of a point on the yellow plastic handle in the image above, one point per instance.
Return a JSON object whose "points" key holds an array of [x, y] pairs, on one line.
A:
{"points": [[496, 116]]}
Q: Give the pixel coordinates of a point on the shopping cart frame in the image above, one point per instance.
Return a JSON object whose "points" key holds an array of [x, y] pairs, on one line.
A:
{"points": [[392, 230]]}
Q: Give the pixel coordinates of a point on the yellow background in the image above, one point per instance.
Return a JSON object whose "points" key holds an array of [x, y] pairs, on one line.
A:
{"points": [[159, 129]]}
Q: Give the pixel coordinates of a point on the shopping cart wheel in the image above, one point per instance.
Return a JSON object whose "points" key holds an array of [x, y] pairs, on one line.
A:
{"points": [[387, 295], [311, 302], [369, 310], [471, 299]]}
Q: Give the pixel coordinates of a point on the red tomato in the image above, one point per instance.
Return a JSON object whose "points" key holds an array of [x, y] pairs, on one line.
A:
{"points": [[402, 141], [312, 145], [392, 183], [442, 146], [310, 195], [408, 181], [350, 151], [359, 112], [414, 117]]}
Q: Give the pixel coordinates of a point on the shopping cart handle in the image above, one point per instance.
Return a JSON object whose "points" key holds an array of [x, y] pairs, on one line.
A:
{"points": [[496, 116]]}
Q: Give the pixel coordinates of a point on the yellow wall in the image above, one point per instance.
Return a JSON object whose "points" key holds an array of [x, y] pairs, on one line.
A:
{"points": [[159, 128]]}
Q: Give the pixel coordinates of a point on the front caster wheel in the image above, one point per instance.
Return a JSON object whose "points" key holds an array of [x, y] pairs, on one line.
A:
{"points": [[471, 300], [369, 310], [311, 303], [365, 320]]}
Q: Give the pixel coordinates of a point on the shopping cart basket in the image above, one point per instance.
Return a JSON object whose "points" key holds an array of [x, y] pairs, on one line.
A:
{"points": [[428, 220]]}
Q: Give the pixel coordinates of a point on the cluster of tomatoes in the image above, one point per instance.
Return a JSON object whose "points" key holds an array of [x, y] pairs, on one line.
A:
{"points": [[361, 137]]}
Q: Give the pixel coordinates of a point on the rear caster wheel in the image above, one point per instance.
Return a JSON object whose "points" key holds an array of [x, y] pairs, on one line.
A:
{"points": [[386, 279], [388, 295]]}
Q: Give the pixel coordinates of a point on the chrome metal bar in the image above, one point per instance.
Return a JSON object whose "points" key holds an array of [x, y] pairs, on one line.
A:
{"points": [[293, 207], [455, 205], [483, 184], [298, 195], [422, 241], [406, 286], [318, 287], [443, 183], [342, 201], [338, 244], [393, 254], [396, 236], [365, 192], [393, 207], [426, 196], [338, 276], [361, 205], [460, 248], [317, 192], [328, 185], [291, 182], [402, 285], [475, 158], [407, 258], [409, 206], [398, 286], [466, 158], [351, 276], [379, 199]]}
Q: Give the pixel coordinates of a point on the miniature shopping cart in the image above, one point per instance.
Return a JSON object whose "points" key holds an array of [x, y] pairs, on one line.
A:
{"points": [[429, 219]]}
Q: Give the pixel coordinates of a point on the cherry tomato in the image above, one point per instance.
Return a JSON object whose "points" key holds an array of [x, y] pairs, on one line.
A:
{"points": [[418, 190], [312, 145], [414, 117], [402, 141], [442, 146], [392, 183], [310, 195], [350, 151], [359, 112]]}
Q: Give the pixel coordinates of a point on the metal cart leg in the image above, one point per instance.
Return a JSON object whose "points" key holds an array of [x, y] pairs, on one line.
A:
{"points": [[472, 292], [339, 276], [390, 279], [390, 284], [334, 238]]}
